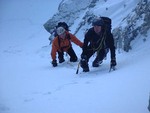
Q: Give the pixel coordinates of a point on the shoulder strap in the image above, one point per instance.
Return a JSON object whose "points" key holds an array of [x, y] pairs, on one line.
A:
{"points": [[68, 36], [58, 41]]}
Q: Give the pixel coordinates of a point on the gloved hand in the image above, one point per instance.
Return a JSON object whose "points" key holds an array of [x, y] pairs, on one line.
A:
{"points": [[83, 57], [83, 61], [54, 63], [113, 62]]}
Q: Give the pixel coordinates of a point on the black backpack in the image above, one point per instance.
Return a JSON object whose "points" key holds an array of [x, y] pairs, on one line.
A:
{"points": [[107, 24]]}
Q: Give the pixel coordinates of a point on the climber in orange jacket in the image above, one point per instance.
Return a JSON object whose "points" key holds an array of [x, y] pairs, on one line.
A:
{"points": [[61, 44]]}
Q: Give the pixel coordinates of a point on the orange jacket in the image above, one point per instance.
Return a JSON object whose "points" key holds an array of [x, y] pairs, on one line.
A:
{"points": [[64, 44]]}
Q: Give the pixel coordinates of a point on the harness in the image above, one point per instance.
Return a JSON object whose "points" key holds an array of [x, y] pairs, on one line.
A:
{"points": [[101, 43]]}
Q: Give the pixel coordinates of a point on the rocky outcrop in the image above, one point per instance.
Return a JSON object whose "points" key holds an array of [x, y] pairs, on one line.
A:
{"points": [[138, 23]]}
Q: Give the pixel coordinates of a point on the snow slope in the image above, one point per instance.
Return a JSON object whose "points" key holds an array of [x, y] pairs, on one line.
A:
{"points": [[29, 84]]}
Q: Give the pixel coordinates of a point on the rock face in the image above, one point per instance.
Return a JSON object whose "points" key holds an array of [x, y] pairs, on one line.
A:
{"points": [[68, 12], [135, 23], [138, 23]]}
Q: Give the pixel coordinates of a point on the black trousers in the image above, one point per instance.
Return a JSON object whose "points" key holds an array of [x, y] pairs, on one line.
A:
{"points": [[90, 51], [71, 53]]}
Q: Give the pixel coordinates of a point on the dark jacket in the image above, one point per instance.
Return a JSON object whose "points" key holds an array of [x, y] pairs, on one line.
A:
{"points": [[94, 41]]}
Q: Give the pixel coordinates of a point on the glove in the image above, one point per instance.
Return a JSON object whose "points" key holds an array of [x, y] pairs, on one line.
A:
{"points": [[113, 62], [83, 61], [83, 57], [54, 63]]}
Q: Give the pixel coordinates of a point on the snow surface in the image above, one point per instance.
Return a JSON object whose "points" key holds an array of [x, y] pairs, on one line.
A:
{"points": [[29, 84]]}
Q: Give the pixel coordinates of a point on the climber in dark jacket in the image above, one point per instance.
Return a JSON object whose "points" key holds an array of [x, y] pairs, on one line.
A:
{"points": [[97, 40]]}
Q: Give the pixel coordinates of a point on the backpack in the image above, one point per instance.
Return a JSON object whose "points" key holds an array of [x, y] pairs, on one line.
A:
{"points": [[107, 24]]}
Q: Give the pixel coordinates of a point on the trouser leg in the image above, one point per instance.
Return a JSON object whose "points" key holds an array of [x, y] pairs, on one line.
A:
{"points": [[99, 58], [88, 53], [85, 56], [72, 54], [61, 56]]}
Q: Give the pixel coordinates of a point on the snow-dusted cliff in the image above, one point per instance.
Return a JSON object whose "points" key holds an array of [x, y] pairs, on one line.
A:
{"points": [[129, 18]]}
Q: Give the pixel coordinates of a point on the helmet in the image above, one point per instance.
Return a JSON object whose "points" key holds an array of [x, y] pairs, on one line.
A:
{"points": [[60, 30], [98, 22]]}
